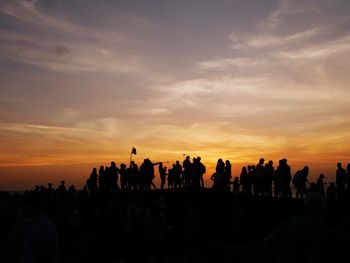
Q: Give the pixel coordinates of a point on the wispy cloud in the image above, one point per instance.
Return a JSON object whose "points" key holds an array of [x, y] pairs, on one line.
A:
{"points": [[86, 81]]}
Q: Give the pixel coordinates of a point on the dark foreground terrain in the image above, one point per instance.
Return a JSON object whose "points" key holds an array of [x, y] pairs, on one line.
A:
{"points": [[160, 226]]}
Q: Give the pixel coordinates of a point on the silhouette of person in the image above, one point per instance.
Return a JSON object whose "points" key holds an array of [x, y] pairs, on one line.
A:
{"points": [[252, 177], [267, 178], [283, 173], [320, 184], [143, 175], [134, 176], [102, 182], [148, 173], [113, 170], [301, 233], [340, 179], [123, 177], [177, 175], [300, 180], [201, 171], [228, 174], [92, 182], [162, 175], [61, 190], [171, 176], [258, 179], [196, 174], [218, 177], [187, 166], [244, 180], [50, 191]]}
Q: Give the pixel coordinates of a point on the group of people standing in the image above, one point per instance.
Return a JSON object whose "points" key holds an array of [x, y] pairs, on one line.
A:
{"points": [[262, 179], [132, 178]]}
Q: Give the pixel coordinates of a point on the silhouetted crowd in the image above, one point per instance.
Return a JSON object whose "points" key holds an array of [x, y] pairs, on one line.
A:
{"points": [[262, 179], [116, 218]]}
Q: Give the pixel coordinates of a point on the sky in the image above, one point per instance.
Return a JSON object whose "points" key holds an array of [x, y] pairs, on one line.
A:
{"points": [[81, 82]]}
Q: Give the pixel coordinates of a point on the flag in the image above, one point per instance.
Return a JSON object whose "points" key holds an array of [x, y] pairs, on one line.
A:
{"points": [[133, 150]]}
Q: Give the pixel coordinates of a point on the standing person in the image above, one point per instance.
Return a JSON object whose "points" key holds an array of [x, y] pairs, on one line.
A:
{"points": [[244, 181], [187, 166], [202, 171], [218, 177], [194, 179], [252, 177], [177, 175], [150, 174], [162, 175], [114, 177], [284, 171], [102, 180], [142, 175], [92, 182], [258, 182], [320, 185], [340, 178], [171, 176], [228, 174], [134, 176], [267, 178], [123, 177]]}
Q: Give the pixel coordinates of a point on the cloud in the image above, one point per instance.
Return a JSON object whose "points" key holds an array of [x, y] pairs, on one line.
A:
{"points": [[29, 11], [61, 50]]}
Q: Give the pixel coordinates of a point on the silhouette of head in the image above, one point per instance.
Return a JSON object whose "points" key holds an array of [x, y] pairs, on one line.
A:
{"points": [[270, 162], [339, 165], [261, 161], [199, 158], [283, 161], [63, 182], [113, 164]]}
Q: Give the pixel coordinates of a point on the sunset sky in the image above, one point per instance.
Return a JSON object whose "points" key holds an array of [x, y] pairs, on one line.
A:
{"points": [[83, 81]]}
